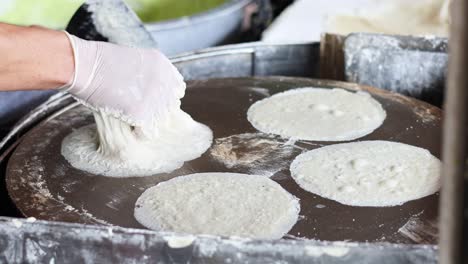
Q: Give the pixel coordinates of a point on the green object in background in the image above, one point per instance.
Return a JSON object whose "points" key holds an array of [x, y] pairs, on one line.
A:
{"points": [[56, 13], [47, 13], [158, 10]]}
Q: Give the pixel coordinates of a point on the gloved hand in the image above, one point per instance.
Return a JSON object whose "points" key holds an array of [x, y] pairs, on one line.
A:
{"points": [[136, 85]]}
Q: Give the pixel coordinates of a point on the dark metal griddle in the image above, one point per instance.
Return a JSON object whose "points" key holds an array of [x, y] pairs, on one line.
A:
{"points": [[43, 185]]}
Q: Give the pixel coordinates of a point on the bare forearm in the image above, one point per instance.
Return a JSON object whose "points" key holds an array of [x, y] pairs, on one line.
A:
{"points": [[33, 58]]}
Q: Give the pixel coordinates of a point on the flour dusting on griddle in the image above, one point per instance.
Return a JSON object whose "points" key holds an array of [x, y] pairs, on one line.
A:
{"points": [[34, 178], [254, 153]]}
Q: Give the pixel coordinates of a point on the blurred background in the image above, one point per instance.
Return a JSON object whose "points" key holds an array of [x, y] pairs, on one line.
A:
{"points": [[186, 25]]}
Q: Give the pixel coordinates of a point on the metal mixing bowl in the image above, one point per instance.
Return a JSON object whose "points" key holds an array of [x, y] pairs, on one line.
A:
{"points": [[203, 30]]}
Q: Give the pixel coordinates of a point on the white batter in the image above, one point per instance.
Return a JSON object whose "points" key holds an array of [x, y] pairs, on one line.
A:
{"points": [[368, 173], [225, 204], [116, 149], [317, 114]]}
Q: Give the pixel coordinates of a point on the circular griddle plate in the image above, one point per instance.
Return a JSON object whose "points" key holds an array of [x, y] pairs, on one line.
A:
{"points": [[43, 185]]}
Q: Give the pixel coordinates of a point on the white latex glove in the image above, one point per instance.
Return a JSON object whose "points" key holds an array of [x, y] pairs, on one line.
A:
{"points": [[136, 85]]}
